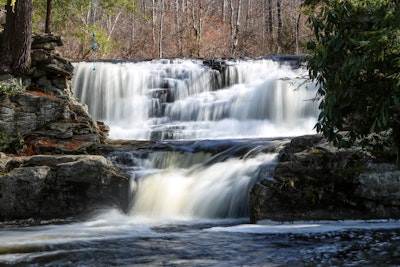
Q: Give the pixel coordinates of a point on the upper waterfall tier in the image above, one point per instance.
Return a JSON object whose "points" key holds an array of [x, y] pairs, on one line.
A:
{"points": [[187, 99]]}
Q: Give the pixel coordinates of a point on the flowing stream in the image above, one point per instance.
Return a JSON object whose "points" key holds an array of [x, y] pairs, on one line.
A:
{"points": [[185, 99], [218, 127]]}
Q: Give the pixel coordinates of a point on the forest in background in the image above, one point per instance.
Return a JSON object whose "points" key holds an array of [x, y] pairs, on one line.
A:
{"points": [[145, 29]]}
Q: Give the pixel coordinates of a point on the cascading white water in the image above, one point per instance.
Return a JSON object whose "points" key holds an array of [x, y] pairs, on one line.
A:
{"points": [[196, 185], [188, 99], [185, 99], [179, 188]]}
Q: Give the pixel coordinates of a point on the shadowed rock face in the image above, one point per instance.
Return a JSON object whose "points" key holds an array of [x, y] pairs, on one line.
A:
{"points": [[315, 181], [48, 187], [51, 121], [46, 115], [41, 110]]}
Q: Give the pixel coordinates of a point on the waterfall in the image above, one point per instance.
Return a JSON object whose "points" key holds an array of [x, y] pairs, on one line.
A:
{"points": [[181, 183], [187, 99], [213, 123], [218, 191]]}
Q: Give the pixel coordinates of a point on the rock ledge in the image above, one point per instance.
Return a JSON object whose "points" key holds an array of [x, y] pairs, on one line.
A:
{"points": [[315, 181], [48, 187]]}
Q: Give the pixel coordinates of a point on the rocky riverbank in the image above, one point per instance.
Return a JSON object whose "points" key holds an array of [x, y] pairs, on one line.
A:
{"points": [[48, 136], [48, 169], [59, 186], [38, 113], [315, 181]]}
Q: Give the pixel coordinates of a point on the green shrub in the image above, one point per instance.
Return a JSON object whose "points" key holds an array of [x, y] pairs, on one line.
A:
{"points": [[11, 86]]}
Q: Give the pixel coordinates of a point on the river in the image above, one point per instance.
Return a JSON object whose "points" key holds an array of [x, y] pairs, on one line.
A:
{"points": [[218, 130]]}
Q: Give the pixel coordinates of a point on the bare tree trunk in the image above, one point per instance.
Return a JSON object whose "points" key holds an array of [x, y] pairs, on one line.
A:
{"points": [[223, 10], [132, 34], [280, 25], [17, 38], [144, 6], [186, 29], [231, 19], [237, 29], [177, 28], [270, 19], [200, 27], [154, 18], [195, 27], [47, 27], [111, 24], [183, 6], [297, 33], [248, 8], [160, 40]]}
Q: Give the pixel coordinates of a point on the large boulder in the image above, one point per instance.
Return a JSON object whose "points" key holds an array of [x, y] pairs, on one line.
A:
{"points": [[48, 187], [49, 124], [379, 189], [315, 181]]}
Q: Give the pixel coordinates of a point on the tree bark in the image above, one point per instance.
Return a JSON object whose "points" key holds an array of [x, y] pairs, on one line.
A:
{"points": [[177, 29], [160, 40], [17, 38], [231, 20], [297, 37], [47, 27], [237, 29], [270, 19], [248, 8], [280, 26], [153, 17], [223, 10], [195, 27], [200, 28]]}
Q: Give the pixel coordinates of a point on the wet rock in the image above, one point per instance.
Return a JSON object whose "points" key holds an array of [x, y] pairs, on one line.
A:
{"points": [[47, 187], [315, 181], [380, 190]]}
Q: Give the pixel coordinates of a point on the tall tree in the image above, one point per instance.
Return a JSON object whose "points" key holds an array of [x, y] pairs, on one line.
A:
{"points": [[223, 10], [355, 59], [47, 27], [177, 28], [280, 25], [154, 19], [270, 19], [17, 37], [235, 37], [161, 30]]}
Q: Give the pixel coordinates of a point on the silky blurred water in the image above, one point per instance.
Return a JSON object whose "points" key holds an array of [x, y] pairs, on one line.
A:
{"points": [[189, 208], [189, 199], [113, 239], [185, 99]]}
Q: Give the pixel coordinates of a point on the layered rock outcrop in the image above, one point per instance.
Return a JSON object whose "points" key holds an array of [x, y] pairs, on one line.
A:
{"points": [[38, 116], [48, 187], [315, 181], [46, 115]]}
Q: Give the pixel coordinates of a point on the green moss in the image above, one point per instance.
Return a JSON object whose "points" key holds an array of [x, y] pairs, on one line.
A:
{"points": [[12, 144], [11, 86], [310, 196]]}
